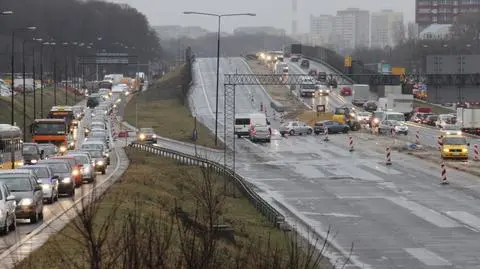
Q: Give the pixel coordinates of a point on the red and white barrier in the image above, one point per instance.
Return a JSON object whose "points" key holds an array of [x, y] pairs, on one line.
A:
{"points": [[325, 133], [443, 173], [350, 144], [388, 158], [475, 152], [417, 138]]}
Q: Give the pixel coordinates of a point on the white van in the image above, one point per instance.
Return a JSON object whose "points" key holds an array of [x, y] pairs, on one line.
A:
{"points": [[244, 121], [394, 116]]}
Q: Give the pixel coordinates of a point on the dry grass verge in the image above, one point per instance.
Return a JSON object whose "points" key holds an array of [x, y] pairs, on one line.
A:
{"points": [[48, 102], [162, 108], [162, 215]]}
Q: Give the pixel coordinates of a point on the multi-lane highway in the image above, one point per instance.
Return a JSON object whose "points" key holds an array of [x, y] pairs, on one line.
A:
{"points": [[395, 216], [52, 211]]}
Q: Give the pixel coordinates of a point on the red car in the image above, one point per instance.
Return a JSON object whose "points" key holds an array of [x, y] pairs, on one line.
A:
{"points": [[77, 169], [346, 91]]}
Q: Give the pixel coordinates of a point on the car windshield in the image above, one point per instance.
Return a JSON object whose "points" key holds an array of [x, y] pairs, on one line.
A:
{"points": [[41, 172], [88, 146], [451, 128], [49, 128], [95, 153], [146, 130], [396, 117], [364, 114], [29, 149], [455, 141], [17, 183], [49, 150], [81, 159], [58, 167], [98, 134]]}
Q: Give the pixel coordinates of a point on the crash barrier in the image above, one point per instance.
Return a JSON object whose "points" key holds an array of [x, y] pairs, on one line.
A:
{"points": [[475, 152], [443, 169], [388, 152], [350, 143], [275, 217]]}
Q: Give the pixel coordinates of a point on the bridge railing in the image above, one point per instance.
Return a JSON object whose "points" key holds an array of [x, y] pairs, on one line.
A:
{"points": [[275, 217]]}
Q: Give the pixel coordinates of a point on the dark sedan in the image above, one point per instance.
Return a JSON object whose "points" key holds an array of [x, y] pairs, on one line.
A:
{"points": [[332, 126], [370, 106]]}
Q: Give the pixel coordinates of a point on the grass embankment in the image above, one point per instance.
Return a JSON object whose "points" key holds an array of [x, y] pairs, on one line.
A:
{"points": [[162, 107], [48, 102], [435, 109], [147, 230]]}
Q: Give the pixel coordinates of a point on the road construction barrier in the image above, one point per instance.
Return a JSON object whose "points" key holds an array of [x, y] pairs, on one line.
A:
{"points": [[439, 144], [443, 174], [392, 132], [475, 152], [325, 133], [417, 138], [389, 160], [273, 215], [350, 143], [261, 106]]}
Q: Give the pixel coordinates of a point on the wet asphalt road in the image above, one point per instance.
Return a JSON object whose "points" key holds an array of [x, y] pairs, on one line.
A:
{"points": [[396, 216]]}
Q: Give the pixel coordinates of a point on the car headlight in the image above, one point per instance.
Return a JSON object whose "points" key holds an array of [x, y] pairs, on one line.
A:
{"points": [[33, 161], [100, 163], [445, 150], [26, 202], [464, 150], [75, 173], [115, 106], [66, 180], [72, 144], [87, 131], [86, 169], [376, 121], [20, 163], [154, 136], [63, 149], [142, 136], [46, 187]]}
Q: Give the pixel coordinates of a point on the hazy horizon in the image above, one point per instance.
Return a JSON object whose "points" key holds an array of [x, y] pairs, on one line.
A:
{"points": [[269, 13]]}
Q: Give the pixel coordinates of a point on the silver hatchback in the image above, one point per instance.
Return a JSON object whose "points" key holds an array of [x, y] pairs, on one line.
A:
{"points": [[259, 133]]}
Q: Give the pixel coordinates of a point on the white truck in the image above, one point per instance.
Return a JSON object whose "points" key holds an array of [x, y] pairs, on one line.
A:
{"points": [[361, 94], [469, 120], [395, 101], [308, 89]]}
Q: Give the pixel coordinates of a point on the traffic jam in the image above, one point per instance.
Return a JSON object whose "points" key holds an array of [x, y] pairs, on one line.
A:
{"points": [[390, 115], [58, 160]]}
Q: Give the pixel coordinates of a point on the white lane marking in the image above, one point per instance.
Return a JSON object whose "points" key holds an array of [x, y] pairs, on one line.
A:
{"points": [[360, 197], [466, 218], [334, 214], [427, 257], [202, 84], [425, 213]]}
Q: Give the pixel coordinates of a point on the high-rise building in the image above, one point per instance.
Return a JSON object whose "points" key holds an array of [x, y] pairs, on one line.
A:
{"points": [[352, 28], [321, 29], [429, 12], [386, 28]]}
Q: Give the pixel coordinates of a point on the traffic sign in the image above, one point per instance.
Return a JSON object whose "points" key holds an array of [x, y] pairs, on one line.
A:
{"points": [[348, 61]]}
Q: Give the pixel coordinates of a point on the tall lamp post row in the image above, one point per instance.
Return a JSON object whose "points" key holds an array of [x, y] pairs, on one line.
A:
{"points": [[219, 16]]}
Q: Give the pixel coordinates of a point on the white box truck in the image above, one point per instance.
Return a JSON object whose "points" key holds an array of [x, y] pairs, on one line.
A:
{"points": [[469, 120], [361, 94]]}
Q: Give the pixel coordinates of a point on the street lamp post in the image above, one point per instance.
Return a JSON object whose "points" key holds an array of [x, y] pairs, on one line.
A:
{"points": [[219, 16], [30, 28]]}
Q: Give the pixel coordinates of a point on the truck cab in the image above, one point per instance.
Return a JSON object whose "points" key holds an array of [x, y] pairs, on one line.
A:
{"points": [[454, 146]]}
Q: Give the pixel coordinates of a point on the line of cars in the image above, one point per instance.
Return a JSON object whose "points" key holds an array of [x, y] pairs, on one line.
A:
{"points": [[48, 173]]}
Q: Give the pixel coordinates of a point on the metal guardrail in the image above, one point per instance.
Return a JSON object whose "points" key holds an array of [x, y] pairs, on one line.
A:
{"points": [[275, 217]]}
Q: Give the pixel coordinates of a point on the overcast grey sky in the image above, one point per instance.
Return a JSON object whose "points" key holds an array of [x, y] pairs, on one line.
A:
{"points": [[269, 12]]}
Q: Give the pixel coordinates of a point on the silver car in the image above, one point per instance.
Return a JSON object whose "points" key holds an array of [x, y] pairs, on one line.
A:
{"points": [[88, 169], [294, 128], [48, 181], [259, 133], [390, 126], [7, 210]]}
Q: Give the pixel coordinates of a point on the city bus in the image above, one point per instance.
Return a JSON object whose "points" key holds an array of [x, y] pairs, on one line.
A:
{"points": [[54, 131], [11, 145], [66, 113]]}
